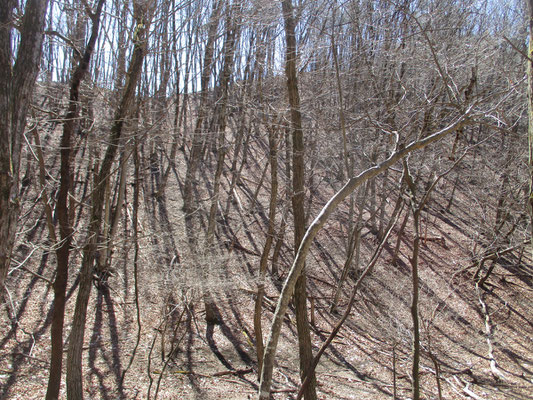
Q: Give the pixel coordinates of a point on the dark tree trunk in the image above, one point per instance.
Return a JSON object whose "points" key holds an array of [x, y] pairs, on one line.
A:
{"points": [[74, 355], [16, 88], [298, 197], [62, 212]]}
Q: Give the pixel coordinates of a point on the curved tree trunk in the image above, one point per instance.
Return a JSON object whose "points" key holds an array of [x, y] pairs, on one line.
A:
{"points": [[316, 226]]}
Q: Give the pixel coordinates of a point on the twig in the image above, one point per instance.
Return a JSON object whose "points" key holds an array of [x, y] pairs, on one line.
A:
{"points": [[65, 39], [31, 357], [37, 275], [21, 263], [491, 256], [517, 49]]}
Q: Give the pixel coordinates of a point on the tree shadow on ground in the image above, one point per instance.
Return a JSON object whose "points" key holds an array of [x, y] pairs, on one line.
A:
{"points": [[199, 393], [21, 353], [113, 363], [95, 344]]}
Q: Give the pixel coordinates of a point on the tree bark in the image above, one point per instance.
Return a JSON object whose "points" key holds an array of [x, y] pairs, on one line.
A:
{"points": [[530, 113], [298, 198], [74, 356], [62, 211], [16, 89]]}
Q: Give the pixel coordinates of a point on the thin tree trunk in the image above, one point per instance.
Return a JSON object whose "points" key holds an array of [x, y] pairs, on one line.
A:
{"points": [[247, 87], [197, 148], [530, 112], [180, 119], [399, 238], [135, 229], [298, 197], [263, 263], [219, 125], [62, 212], [197, 139], [416, 209], [367, 271], [74, 356], [353, 249]]}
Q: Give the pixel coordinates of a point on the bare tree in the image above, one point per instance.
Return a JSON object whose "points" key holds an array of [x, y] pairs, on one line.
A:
{"points": [[298, 195], [314, 228], [143, 13], [62, 210], [18, 73]]}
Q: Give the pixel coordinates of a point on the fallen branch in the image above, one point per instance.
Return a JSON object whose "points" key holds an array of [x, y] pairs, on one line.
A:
{"points": [[234, 372], [283, 391], [489, 333], [465, 389], [491, 256], [497, 254]]}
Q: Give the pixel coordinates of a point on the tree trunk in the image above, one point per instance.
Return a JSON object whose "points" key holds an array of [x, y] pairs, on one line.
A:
{"points": [[530, 112], [62, 211], [197, 139], [314, 228], [196, 150], [16, 89], [74, 356], [219, 127], [354, 244], [416, 209], [263, 263], [364, 273], [298, 197]]}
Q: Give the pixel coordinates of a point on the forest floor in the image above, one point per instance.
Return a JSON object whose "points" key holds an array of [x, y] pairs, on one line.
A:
{"points": [[179, 357]]}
